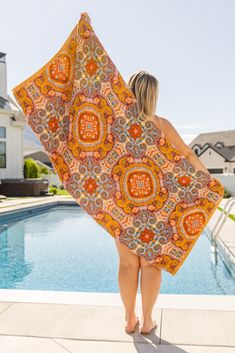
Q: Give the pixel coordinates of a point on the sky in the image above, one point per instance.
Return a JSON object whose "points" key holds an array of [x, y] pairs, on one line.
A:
{"points": [[188, 45]]}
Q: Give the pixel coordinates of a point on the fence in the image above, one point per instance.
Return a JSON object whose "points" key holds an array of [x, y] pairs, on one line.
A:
{"points": [[53, 179], [228, 180]]}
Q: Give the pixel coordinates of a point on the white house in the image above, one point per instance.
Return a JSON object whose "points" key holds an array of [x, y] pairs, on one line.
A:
{"points": [[11, 130], [216, 150]]}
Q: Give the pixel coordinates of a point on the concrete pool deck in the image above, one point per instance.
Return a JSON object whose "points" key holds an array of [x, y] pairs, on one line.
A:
{"points": [[18, 203], [59, 322], [73, 324]]}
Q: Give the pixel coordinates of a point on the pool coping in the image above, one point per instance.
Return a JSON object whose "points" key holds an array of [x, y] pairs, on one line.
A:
{"points": [[36, 203], [171, 301]]}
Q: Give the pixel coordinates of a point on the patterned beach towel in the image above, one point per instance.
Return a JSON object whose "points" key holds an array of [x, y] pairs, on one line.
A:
{"points": [[121, 169]]}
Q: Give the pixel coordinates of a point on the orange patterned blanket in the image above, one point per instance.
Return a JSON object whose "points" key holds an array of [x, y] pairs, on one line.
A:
{"points": [[119, 168]]}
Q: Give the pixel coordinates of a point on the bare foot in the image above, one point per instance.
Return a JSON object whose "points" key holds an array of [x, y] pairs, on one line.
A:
{"points": [[131, 323], [148, 326]]}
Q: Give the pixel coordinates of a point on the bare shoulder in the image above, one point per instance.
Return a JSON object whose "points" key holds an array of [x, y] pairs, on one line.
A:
{"points": [[170, 131], [165, 124]]}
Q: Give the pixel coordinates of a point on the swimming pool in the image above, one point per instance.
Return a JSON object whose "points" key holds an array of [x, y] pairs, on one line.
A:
{"points": [[63, 248]]}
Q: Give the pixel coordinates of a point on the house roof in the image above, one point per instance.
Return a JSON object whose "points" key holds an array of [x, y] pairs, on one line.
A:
{"points": [[226, 136], [10, 105], [36, 150], [227, 152], [4, 104]]}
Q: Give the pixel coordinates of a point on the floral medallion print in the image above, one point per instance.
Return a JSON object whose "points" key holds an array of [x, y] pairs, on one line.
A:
{"points": [[120, 168]]}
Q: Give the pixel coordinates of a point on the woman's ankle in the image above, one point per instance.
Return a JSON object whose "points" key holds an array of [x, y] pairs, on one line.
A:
{"points": [[147, 318], [130, 317]]}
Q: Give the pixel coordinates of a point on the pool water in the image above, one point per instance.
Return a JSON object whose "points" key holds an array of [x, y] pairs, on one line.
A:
{"points": [[64, 249]]}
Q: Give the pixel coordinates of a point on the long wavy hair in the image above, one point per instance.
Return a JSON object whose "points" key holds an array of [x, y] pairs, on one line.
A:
{"points": [[145, 89]]}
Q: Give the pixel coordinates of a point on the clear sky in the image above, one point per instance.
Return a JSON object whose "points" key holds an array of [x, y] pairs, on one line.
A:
{"points": [[189, 45]]}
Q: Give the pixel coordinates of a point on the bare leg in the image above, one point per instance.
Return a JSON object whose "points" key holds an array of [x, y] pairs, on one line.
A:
{"points": [[128, 275], [150, 287]]}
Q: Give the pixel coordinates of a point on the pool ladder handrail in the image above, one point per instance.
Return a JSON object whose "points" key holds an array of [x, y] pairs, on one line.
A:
{"points": [[222, 218]]}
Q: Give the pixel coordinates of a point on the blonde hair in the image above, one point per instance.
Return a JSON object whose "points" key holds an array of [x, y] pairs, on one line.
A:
{"points": [[145, 89]]}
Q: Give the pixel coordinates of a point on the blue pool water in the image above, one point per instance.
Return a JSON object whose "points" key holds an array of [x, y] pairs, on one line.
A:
{"points": [[63, 248]]}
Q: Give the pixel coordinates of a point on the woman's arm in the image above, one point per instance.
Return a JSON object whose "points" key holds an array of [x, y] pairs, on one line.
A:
{"points": [[180, 145]]}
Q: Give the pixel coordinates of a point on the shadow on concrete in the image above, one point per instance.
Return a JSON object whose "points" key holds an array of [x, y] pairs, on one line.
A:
{"points": [[152, 343]]}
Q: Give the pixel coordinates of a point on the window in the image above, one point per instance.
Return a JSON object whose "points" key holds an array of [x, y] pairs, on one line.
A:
{"points": [[215, 170], [2, 154], [2, 147], [219, 144], [2, 132]]}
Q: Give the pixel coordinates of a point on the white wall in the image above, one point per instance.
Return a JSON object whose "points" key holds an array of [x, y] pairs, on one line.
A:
{"points": [[3, 80], [211, 159], [14, 149], [228, 180]]}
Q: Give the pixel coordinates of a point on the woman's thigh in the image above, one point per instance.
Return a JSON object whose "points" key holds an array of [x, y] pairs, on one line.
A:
{"points": [[126, 256]]}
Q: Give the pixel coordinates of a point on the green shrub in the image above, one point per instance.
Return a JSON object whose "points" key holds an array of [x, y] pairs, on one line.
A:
{"points": [[53, 189], [43, 169], [31, 169], [227, 194]]}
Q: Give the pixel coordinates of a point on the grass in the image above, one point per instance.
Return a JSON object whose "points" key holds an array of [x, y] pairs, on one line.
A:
{"points": [[232, 216], [58, 191], [62, 192]]}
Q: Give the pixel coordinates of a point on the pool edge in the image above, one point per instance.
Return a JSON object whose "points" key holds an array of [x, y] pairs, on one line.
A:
{"points": [[173, 301]]}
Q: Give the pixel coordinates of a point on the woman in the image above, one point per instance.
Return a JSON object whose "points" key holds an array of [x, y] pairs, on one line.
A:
{"points": [[145, 88]]}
